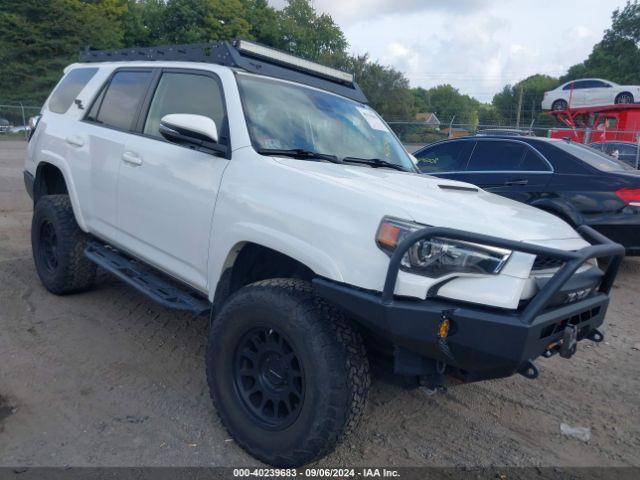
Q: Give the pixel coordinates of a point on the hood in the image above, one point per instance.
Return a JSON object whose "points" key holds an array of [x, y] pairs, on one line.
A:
{"points": [[443, 203]]}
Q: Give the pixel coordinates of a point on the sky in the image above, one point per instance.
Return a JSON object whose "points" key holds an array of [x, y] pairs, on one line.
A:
{"points": [[478, 46]]}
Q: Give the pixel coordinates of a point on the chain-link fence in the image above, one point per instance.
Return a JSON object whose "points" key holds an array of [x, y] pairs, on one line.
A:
{"points": [[14, 121]]}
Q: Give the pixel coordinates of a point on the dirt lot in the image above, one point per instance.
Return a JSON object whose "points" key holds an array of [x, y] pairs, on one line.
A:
{"points": [[109, 378]]}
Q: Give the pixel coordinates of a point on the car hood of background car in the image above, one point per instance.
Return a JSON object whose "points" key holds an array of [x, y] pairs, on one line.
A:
{"points": [[458, 205]]}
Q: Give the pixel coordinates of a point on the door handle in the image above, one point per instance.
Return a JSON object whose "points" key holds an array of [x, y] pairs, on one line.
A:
{"points": [[131, 158], [522, 181], [75, 140]]}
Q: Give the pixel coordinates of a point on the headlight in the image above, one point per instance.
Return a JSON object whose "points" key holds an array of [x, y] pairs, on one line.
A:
{"points": [[439, 256]]}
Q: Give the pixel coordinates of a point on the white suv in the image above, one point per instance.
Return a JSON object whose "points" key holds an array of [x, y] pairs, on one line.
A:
{"points": [[242, 181]]}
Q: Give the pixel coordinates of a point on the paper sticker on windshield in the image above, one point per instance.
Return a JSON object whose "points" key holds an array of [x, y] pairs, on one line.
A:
{"points": [[372, 119]]}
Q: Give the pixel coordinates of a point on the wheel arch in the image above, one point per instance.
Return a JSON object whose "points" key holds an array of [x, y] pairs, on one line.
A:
{"points": [[53, 178], [248, 262], [627, 92]]}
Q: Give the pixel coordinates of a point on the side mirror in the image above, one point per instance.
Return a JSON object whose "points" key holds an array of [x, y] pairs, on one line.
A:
{"points": [[187, 129]]}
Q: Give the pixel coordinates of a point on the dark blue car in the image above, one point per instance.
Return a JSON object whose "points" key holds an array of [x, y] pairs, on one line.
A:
{"points": [[570, 180]]}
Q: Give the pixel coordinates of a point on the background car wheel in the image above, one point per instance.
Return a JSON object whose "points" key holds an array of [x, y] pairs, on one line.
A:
{"points": [[560, 105], [623, 98], [58, 247], [287, 374]]}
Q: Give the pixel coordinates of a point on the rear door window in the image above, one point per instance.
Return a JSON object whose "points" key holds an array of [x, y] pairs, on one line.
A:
{"points": [[532, 162], [444, 157], [192, 93], [69, 88], [120, 101], [496, 156], [593, 158]]}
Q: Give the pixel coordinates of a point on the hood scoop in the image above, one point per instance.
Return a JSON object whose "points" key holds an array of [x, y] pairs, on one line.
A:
{"points": [[458, 188]]}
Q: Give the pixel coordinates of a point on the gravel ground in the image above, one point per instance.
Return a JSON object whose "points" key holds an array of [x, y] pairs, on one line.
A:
{"points": [[107, 378]]}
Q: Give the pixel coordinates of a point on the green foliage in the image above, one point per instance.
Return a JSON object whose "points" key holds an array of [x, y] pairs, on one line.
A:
{"points": [[305, 33], [617, 56], [533, 88], [196, 21], [39, 38], [386, 88], [447, 102]]}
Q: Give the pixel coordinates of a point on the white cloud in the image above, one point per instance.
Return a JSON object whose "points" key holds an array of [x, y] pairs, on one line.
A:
{"points": [[477, 46]]}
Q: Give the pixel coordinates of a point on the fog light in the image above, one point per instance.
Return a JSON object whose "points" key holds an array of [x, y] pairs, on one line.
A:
{"points": [[443, 328]]}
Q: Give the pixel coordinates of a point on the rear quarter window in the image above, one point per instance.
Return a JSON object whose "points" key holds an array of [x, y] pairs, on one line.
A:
{"points": [[593, 158], [69, 88]]}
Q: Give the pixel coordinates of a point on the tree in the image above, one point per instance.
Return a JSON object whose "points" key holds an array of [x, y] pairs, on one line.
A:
{"points": [[447, 102], [40, 37], [533, 88], [144, 23], [617, 56], [198, 21], [386, 89], [488, 115], [303, 32], [263, 20]]}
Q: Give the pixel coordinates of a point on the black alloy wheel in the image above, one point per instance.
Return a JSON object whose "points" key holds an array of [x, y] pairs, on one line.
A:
{"points": [[269, 378]]}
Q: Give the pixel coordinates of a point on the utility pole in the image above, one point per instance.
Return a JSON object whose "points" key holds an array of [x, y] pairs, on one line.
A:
{"points": [[519, 107]]}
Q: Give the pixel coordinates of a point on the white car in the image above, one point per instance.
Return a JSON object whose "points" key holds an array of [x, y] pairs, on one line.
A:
{"points": [[261, 189], [589, 92]]}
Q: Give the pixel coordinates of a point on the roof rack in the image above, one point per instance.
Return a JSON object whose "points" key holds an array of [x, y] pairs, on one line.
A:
{"points": [[249, 56]]}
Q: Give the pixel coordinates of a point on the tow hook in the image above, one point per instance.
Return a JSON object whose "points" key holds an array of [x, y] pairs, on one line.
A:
{"points": [[595, 335], [569, 341], [529, 370]]}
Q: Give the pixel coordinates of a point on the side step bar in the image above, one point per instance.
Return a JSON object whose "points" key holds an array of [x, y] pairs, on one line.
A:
{"points": [[146, 280]]}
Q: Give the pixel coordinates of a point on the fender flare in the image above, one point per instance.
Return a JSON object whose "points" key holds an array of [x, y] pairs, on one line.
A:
{"points": [[303, 252], [61, 164]]}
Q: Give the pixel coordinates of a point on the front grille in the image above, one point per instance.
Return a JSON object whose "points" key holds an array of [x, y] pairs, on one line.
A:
{"points": [[574, 320], [544, 262]]}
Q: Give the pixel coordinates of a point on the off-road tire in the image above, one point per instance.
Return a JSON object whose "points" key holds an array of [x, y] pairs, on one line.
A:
{"points": [[71, 271], [331, 353]]}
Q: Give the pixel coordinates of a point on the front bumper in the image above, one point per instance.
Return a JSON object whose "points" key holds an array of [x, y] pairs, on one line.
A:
{"points": [[483, 342]]}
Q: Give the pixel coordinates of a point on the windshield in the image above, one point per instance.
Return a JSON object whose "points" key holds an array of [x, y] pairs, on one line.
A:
{"points": [[285, 116], [593, 157]]}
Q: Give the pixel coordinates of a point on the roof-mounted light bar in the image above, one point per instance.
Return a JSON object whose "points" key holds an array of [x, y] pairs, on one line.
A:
{"points": [[272, 54]]}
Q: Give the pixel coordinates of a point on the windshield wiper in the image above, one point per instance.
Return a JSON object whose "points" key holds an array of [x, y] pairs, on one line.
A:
{"points": [[374, 162], [299, 153]]}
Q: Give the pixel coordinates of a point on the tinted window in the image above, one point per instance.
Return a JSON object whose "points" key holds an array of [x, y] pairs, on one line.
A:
{"points": [[581, 84], [69, 88], [185, 93], [496, 156], [568, 86], [122, 99], [597, 146], [444, 157], [626, 149], [592, 157], [533, 163], [599, 84]]}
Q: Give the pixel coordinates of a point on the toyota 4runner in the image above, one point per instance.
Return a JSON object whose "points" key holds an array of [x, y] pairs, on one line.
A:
{"points": [[259, 188]]}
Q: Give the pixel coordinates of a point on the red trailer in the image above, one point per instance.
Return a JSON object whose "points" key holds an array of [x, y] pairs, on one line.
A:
{"points": [[599, 124]]}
